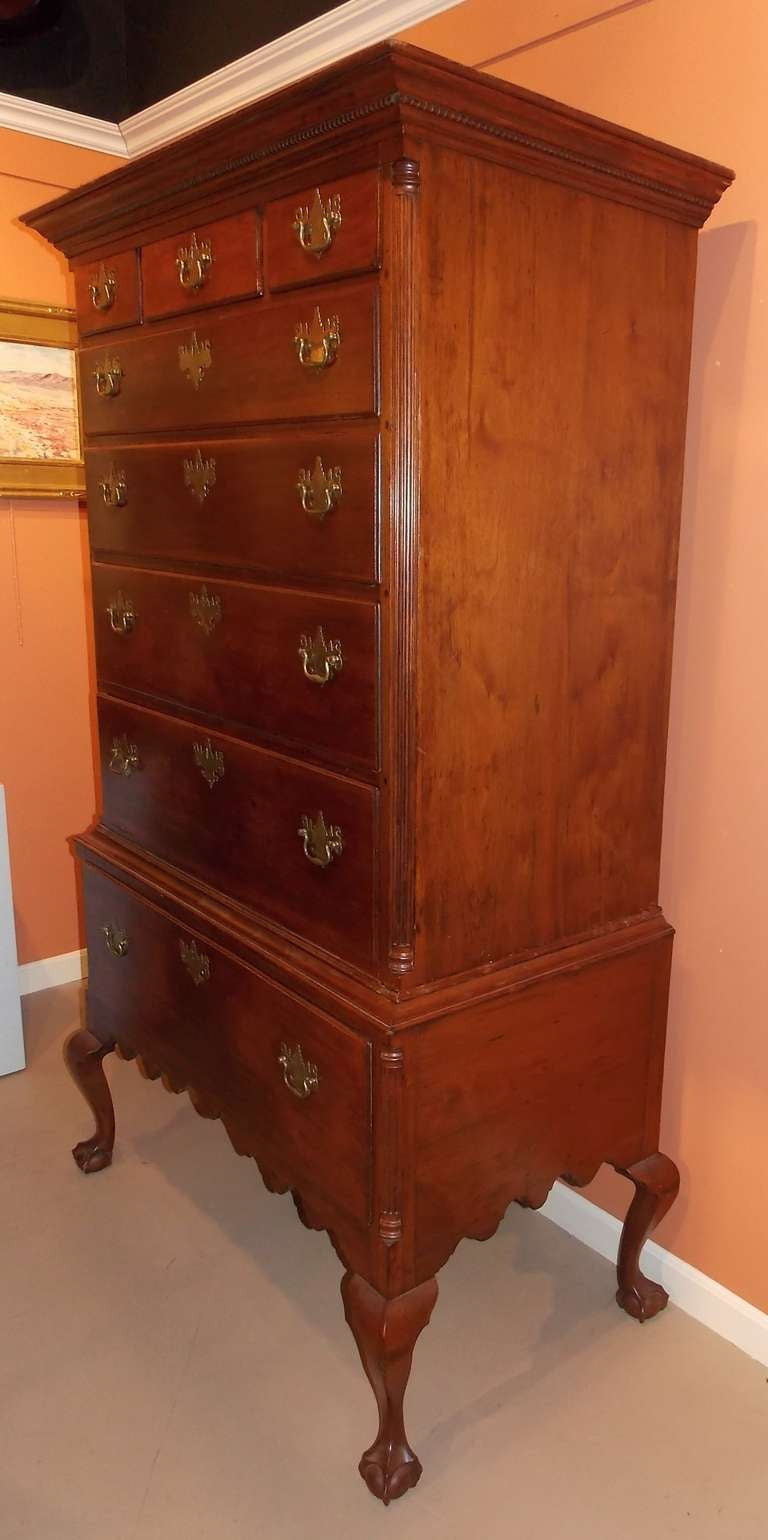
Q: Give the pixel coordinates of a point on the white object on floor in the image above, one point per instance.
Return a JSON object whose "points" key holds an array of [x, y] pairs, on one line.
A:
{"points": [[11, 1033]]}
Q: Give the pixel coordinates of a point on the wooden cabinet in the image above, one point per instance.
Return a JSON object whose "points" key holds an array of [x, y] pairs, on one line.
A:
{"points": [[385, 536]]}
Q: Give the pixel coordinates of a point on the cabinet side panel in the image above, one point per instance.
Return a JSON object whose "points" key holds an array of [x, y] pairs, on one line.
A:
{"points": [[554, 343], [540, 1083]]}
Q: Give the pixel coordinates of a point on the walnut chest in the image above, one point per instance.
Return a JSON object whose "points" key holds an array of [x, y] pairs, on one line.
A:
{"points": [[384, 387]]}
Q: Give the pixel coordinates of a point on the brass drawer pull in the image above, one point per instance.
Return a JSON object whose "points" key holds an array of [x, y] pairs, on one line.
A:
{"points": [[103, 288], [197, 964], [317, 223], [123, 756], [116, 940], [122, 615], [209, 761], [205, 610], [317, 341], [322, 842], [321, 660], [194, 359], [114, 489], [108, 375], [193, 264], [300, 1076], [199, 475], [319, 490]]}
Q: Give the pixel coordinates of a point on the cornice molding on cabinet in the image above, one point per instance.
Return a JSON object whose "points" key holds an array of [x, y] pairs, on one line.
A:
{"points": [[58, 123], [345, 30]]}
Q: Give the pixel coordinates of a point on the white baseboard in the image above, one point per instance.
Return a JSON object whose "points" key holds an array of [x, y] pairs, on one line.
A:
{"points": [[699, 1296], [50, 971]]}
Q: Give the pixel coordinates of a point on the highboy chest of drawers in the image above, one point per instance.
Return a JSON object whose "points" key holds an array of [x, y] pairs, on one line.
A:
{"points": [[384, 389]]}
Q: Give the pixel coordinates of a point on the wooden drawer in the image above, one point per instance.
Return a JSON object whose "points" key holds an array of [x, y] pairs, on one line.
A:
{"points": [[230, 815], [203, 266], [240, 502], [328, 230], [234, 651], [224, 1036], [107, 293], [238, 365]]}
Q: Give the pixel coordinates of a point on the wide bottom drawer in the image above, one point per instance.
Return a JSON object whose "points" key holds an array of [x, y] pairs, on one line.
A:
{"points": [[292, 667], [286, 1078], [293, 843]]}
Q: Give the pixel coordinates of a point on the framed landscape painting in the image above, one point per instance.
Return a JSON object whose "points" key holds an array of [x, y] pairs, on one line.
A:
{"points": [[40, 441]]}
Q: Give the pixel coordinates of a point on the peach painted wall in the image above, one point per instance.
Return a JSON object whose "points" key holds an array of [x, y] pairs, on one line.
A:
{"points": [[46, 757], [694, 74]]}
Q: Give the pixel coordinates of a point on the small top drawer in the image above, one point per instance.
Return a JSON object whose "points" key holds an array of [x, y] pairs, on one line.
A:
{"points": [[107, 292], [204, 266], [324, 231]]}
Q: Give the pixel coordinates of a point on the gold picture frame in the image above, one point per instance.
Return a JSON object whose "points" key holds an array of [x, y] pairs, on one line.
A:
{"points": [[39, 403]]}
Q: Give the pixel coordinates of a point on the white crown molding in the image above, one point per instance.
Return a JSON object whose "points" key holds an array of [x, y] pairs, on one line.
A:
{"points": [[57, 123], [346, 29], [699, 1296]]}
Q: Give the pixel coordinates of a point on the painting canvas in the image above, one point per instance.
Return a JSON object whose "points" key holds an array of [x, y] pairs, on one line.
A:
{"points": [[38, 403], [40, 445]]}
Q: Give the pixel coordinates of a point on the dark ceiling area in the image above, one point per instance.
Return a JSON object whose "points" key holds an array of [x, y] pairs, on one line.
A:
{"points": [[111, 58]]}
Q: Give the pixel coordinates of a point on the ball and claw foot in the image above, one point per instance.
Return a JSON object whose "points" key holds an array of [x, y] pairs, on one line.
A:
{"points": [[385, 1331], [656, 1180], [388, 1471], [83, 1055], [89, 1156], [644, 1300]]}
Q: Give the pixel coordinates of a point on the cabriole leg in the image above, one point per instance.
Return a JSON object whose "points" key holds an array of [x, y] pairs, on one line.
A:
{"points": [[83, 1054], [656, 1180], [385, 1331]]}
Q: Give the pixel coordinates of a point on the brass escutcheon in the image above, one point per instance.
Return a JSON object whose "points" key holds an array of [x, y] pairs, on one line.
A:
{"points": [[321, 660], [123, 756], [116, 940], [194, 359], [205, 610], [103, 288], [114, 489], [209, 761], [197, 964], [122, 615], [300, 1076], [108, 375], [199, 475], [317, 222], [193, 263], [317, 341], [322, 842], [319, 490]]}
